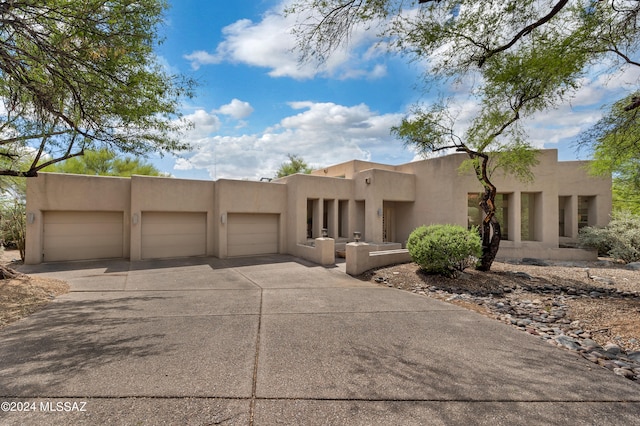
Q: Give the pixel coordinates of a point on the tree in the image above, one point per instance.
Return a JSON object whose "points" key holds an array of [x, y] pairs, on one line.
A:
{"points": [[615, 143], [295, 165], [104, 163], [517, 57], [82, 75]]}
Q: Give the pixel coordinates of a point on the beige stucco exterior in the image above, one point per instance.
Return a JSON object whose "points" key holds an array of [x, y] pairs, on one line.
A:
{"points": [[382, 202]]}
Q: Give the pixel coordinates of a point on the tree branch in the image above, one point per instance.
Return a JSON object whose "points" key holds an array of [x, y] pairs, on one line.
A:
{"points": [[525, 31]]}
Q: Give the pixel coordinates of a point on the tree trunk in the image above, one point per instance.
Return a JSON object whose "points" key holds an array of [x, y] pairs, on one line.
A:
{"points": [[490, 231], [8, 273]]}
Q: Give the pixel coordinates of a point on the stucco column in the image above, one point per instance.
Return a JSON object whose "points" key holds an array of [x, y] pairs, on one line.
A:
{"points": [[318, 214], [332, 219], [571, 217], [515, 219]]}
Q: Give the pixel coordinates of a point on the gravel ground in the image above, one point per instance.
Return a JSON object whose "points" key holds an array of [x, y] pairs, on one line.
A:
{"points": [[601, 299]]}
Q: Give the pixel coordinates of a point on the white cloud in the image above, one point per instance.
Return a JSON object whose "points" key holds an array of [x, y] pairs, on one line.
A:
{"points": [[200, 57], [271, 44], [322, 133], [236, 109], [204, 123]]}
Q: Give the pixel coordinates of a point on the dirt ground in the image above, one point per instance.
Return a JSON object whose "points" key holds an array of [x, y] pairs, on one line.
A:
{"points": [[608, 319], [22, 296]]}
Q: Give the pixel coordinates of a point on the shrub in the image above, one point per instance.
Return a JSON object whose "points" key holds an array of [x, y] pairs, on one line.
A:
{"points": [[620, 239], [444, 249], [12, 224]]}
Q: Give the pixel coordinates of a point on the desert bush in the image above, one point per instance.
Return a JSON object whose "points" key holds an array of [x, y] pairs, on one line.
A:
{"points": [[12, 224], [620, 239], [444, 249]]}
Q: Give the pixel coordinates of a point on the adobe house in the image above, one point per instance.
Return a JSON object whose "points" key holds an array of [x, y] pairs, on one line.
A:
{"points": [[76, 217]]}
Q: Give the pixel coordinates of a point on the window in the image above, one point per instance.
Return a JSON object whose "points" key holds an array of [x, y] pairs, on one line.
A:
{"points": [[343, 218], [502, 214], [563, 205], [529, 211], [475, 213], [585, 209]]}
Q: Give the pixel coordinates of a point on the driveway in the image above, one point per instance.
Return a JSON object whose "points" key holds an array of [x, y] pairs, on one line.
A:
{"points": [[276, 340]]}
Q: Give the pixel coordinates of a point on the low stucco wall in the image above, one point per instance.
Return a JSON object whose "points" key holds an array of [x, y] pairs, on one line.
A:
{"points": [[323, 251], [546, 253], [362, 256]]}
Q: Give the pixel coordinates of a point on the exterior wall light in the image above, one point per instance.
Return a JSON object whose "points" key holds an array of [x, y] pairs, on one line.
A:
{"points": [[223, 218], [135, 218], [325, 232], [31, 217], [356, 236], [380, 212]]}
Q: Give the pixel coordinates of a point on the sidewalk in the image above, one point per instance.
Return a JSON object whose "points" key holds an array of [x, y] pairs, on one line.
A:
{"points": [[276, 340]]}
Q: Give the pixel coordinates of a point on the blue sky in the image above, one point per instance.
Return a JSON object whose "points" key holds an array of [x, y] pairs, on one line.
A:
{"points": [[255, 104]]}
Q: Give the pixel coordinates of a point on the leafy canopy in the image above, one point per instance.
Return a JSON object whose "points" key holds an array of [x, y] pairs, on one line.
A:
{"points": [[296, 164], [104, 163], [515, 57], [80, 75]]}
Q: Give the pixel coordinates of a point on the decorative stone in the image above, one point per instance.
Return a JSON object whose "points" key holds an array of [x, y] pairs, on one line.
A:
{"points": [[634, 266], [612, 348], [534, 262], [634, 356], [624, 373], [567, 342]]}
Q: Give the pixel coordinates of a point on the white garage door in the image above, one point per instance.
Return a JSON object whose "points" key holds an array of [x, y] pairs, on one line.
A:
{"points": [[72, 235], [252, 234], [173, 234]]}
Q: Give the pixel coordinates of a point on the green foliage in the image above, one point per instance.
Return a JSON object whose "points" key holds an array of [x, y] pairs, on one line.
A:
{"points": [[626, 196], [444, 249], [104, 163], [82, 75], [12, 223], [616, 151], [514, 58], [295, 165], [620, 239]]}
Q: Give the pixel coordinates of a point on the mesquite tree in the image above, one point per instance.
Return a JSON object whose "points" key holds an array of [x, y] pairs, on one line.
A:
{"points": [[80, 75], [515, 57]]}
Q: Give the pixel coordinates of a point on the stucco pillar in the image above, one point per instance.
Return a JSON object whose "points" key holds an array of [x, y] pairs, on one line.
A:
{"points": [[318, 214], [357, 257], [332, 219], [571, 217], [326, 250], [515, 220]]}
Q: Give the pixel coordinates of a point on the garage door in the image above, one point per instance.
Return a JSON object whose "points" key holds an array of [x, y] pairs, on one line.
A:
{"points": [[173, 234], [252, 234], [72, 235]]}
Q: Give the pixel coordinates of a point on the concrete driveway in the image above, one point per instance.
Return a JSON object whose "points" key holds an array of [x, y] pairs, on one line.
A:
{"points": [[276, 340]]}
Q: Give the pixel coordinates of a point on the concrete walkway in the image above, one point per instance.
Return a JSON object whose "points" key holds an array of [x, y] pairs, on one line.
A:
{"points": [[275, 340]]}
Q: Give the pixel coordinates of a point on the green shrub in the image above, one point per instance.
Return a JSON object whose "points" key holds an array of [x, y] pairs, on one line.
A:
{"points": [[12, 224], [620, 239], [444, 249]]}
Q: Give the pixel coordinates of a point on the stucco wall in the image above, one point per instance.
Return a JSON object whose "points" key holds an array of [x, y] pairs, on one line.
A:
{"points": [[61, 192], [234, 196], [160, 194], [414, 194]]}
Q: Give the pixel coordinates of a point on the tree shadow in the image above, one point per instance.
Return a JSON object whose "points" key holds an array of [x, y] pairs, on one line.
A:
{"points": [[70, 338]]}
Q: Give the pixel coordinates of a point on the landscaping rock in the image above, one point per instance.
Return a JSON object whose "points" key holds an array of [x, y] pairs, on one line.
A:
{"points": [[535, 262]]}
